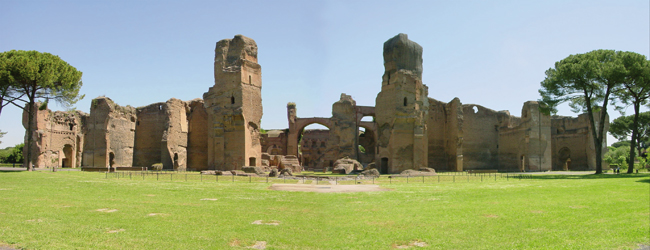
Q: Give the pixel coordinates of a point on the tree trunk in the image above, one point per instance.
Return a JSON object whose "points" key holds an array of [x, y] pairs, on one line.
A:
{"points": [[30, 132], [633, 142]]}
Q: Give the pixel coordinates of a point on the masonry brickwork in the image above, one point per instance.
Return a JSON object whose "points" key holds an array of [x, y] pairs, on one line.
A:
{"points": [[222, 131]]}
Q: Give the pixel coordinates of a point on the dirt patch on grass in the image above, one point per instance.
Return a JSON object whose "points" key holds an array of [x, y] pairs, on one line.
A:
{"points": [[491, 216], [262, 222], [106, 210], [115, 231], [327, 188], [244, 243], [5, 246], [157, 214], [258, 245], [209, 199], [415, 243], [537, 212]]}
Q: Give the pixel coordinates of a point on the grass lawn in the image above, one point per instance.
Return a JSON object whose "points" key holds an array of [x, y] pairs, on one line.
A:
{"points": [[81, 210]]}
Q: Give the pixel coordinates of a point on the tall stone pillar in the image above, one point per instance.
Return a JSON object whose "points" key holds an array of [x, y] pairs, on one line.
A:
{"points": [[234, 106], [402, 108]]}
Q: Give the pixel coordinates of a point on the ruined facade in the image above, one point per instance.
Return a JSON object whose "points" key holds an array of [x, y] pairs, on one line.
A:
{"points": [[222, 131], [234, 106], [58, 138]]}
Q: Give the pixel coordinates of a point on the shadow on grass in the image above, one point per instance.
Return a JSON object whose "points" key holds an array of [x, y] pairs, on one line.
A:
{"points": [[591, 176]]}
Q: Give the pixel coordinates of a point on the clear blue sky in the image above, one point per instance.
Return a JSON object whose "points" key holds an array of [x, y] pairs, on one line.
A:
{"points": [[491, 53]]}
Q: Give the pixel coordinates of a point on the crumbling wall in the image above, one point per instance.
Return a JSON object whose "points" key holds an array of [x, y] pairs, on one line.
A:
{"points": [[455, 132], [121, 136], [436, 133], [512, 143], [150, 126], [174, 139], [274, 142], [197, 143], [57, 137], [110, 133], [401, 108], [234, 106], [368, 141], [344, 132], [480, 137], [572, 139], [313, 147]]}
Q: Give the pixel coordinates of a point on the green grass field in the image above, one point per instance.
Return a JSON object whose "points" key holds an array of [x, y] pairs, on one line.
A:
{"points": [[80, 210]]}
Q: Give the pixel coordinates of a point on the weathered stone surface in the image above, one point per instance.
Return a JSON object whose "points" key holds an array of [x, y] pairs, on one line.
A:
{"points": [[110, 135], [313, 147], [402, 108], [347, 160], [234, 105], [223, 172], [58, 138], [237, 172], [197, 136], [274, 173], [274, 142], [290, 162], [286, 172], [400, 53], [373, 172], [430, 170], [343, 168], [157, 166], [253, 170], [572, 144], [411, 172], [208, 172], [409, 130], [161, 135]]}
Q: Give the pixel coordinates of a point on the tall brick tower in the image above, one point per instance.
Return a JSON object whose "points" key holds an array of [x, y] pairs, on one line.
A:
{"points": [[234, 106], [402, 108]]}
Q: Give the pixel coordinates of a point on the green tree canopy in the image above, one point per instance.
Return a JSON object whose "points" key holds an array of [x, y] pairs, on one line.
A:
{"points": [[634, 91], [32, 76], [619, 144], [586, 82], [621, 128]]}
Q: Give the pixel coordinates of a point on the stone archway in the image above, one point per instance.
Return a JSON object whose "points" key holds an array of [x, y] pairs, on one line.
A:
{"points": [[68, 160], [111, 160], [564, 159], [297, 128], [367, 142]]}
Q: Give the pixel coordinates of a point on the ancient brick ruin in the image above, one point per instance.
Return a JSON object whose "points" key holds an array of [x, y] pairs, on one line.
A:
{"points": [[409, 130]]}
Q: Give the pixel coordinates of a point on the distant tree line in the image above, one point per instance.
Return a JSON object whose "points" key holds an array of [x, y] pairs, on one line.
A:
{"points": [[12, 154]]}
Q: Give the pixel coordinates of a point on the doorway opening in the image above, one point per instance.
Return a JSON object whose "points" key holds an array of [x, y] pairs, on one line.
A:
{"points": [[384, 166]]}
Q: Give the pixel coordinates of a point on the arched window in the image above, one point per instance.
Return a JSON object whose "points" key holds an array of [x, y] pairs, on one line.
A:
{"points": [[232, 100], [405, 101]]}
